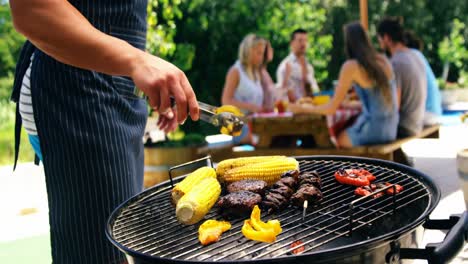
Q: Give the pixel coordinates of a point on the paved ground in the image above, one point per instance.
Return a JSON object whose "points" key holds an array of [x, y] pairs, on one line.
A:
{"points": [[24, 231]]}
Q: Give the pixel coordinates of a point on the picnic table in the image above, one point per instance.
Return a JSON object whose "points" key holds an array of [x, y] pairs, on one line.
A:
{"points": [[323, 129]]}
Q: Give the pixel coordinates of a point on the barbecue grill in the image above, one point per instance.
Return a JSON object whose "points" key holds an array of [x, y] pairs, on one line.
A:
{"points": [[341, 229]]}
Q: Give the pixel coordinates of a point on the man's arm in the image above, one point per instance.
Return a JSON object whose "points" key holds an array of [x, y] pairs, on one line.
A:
{"points": [[61, 31]]}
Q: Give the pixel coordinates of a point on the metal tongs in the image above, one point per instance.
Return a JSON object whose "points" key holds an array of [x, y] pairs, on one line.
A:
{"points": [[208, 113], [228, 120]]}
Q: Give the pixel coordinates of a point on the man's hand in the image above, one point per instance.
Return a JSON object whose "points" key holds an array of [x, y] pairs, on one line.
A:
{"points": [[160, 80]]}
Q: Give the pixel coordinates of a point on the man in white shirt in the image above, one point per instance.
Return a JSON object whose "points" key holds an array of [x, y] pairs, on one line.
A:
{"points": [[295, 74]]}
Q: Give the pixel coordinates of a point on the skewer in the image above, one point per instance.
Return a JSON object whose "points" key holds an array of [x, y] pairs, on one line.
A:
{"points": [[304, 210]]}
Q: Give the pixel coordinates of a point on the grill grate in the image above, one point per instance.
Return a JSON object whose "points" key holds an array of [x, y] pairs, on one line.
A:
{"points": [[148, 224]]}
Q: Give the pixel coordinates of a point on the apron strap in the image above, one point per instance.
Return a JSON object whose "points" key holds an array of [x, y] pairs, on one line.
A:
{"points": [[18, 123]]}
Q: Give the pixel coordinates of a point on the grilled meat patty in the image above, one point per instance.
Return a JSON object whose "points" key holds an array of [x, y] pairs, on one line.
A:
{"points": [[239, 203], [255, 186]]}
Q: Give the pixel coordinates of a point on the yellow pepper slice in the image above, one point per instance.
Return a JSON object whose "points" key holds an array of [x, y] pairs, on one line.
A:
{"points": [[255, 229], [210, 231]]}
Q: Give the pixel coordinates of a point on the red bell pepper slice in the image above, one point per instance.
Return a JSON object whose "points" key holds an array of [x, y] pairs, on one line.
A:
{"points": [[354, 177], [398, 188]]}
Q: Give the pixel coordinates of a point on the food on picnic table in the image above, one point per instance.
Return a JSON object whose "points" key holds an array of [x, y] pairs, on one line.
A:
{"points": [[195, 204], [229, 164], [190, 181], [255, 229], [369, 189], [278, 196], [310, 184], [354, 177], [316, 100], [210, 231], [238, 203], [255, 186], [269, 171]]}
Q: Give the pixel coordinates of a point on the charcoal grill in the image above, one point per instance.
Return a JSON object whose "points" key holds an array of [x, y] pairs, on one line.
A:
{"points": [[342, 229]]}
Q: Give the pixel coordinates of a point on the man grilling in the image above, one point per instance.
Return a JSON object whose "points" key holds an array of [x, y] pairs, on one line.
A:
{"points": [[75, 92]]}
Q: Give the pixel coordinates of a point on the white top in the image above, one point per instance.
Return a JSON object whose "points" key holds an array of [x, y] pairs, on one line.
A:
{"points": [[248, 90], [295, 79], [25, 103]]}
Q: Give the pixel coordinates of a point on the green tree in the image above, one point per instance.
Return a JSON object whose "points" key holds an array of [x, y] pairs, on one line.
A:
{"points": [[10, 46], [452, 49]]}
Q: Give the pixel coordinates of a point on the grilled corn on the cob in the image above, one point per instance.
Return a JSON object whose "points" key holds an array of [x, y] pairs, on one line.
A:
{"points": [[268, 171], [194, 205], [190, 181], [228, 164]]}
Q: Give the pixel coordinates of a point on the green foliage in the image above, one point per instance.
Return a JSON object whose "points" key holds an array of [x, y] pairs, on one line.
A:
{"points": [[281, 19], [452, 48], [10, 46], [162, 15]]}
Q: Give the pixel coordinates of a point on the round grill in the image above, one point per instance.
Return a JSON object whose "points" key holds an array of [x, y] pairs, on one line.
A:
{"points": [[146, 224]]}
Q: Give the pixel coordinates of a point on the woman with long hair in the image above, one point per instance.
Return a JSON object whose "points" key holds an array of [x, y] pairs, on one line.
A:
{"points": [[371, 76], [242, 87]]}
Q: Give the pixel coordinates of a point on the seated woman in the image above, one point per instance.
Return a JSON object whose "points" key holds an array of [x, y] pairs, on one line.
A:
{"points": [[243, 87], [370, 74]]}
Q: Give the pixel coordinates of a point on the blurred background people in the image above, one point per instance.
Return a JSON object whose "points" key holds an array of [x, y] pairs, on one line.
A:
{"points": [[371, 76], [242, 87], [267, 82], [410, 76], [295, 75], [433, 99]]}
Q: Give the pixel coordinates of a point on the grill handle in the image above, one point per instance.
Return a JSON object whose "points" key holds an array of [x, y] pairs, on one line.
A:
{"points": [[442, 252]]}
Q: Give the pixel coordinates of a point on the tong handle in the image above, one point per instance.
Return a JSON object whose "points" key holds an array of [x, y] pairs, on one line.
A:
{"points": [[204, 107]]}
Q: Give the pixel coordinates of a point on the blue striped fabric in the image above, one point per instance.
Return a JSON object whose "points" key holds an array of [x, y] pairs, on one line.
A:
{"points": [[90, 127]]}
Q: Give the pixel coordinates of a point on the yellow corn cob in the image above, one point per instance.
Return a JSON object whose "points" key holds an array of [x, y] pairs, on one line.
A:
{"points": [[228, 164], [194, 205], [190, 181], [268, 171]]}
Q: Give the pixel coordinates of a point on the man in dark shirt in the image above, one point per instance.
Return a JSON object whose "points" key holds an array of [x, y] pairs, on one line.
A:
{"points": [[410, 77]]}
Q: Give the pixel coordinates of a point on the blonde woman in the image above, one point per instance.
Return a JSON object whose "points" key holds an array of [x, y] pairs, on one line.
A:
{"points": [[243, 87]]}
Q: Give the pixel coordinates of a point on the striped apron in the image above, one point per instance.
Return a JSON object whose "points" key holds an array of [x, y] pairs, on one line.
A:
{"points": [[90, 126]]}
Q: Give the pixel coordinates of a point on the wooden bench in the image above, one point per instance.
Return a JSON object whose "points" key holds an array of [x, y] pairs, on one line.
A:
{"points": [[390, 151]]}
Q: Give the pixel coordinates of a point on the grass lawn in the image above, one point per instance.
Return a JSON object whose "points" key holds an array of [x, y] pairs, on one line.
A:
{"points": [[7, 137], [27, 250]]}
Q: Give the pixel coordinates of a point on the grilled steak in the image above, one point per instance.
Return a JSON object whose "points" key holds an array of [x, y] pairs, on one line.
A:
{"points": [[310, 178], [278, 196], [238, 203], [307, 192], [255, 186], [310, 184]]}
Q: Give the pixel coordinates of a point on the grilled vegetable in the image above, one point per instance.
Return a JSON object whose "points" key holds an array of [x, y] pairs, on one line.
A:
{"points": [[368, 189], [190, 181], [256, 229], [228, 164], [194, 205], [398, 188], [354, 177], [210, 231], [230, 109], [268, 171]]}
